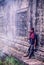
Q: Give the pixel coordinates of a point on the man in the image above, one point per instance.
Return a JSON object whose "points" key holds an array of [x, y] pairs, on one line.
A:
{"points": [[32, 39]]}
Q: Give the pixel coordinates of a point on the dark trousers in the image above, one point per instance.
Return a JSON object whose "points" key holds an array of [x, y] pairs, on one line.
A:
{"points": [[31, 51]]}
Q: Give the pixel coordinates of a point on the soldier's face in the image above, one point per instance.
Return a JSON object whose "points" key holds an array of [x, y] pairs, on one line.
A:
{"points": [[31, 30]]}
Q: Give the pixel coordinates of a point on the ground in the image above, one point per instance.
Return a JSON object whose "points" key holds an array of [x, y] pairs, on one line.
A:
{"points": [[19, 55]]}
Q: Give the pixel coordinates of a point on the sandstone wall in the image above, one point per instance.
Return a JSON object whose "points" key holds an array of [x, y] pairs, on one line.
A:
{"points": [[8, 26], [34, 16]]}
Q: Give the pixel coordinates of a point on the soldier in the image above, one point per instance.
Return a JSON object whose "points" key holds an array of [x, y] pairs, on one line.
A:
{"points": [[32, 39]]}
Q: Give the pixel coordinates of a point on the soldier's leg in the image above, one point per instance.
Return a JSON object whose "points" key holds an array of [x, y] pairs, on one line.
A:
{"points": [[28, 51], [31, 51]]}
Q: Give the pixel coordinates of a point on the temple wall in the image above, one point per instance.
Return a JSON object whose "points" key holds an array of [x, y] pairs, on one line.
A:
{"points": [[16, 18], [8, 26]]}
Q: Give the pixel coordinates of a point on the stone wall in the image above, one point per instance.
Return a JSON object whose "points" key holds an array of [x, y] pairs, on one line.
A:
{"points": [[8, 28], [40, 18], [11, 18], [37, 17], [7, 20]]}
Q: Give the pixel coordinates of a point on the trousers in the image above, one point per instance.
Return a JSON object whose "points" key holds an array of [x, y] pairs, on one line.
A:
{"points": [[31, 51]]}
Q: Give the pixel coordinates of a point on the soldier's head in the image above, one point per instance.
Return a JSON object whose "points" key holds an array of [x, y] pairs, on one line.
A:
{"points": [[32, 30]]}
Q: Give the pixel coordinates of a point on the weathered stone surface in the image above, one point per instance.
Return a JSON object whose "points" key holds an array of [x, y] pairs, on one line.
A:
{"points": [[30, 13], [20, 55], [8, 18], [40, 54]]}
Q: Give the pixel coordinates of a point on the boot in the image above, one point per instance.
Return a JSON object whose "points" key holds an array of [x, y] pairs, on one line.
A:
{"points": [[26, 55]]}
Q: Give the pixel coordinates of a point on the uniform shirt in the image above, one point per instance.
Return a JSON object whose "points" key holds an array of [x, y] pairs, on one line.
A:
{"points": [[32, 38]]}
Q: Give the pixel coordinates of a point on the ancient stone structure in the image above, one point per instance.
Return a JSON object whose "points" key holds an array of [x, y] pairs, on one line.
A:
{"points": [[16, 18]]}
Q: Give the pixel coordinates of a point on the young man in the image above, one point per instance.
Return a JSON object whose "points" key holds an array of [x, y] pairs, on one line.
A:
{"points": [[32, 39]]}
